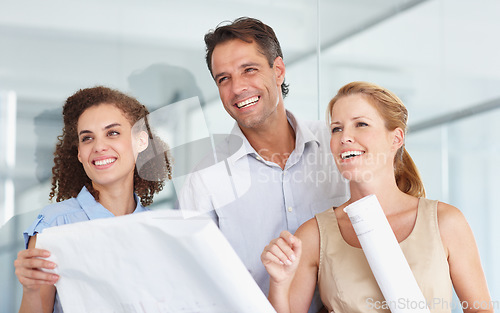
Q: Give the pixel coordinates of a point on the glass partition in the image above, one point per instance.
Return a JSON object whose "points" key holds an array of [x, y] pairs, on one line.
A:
{"points": [[437, 55]]}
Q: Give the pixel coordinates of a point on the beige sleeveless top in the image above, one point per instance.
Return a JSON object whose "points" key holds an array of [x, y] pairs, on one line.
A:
{"points": [[346, 283]]}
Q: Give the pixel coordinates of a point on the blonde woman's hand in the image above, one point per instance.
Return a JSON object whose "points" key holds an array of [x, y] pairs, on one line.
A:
{"points": [[281, 257]]}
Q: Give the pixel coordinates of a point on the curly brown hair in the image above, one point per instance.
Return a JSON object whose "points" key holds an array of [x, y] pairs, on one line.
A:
{"points": [[68, 175]]}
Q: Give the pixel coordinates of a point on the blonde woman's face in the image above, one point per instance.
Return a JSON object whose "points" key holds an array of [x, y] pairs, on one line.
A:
{"points": [[360, 143]]}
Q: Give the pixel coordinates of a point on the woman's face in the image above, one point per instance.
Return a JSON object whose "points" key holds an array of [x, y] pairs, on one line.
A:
{"points": [[106, 147], [361, 145]]}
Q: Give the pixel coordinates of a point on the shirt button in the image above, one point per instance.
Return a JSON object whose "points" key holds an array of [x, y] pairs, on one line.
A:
{"points": [[290, 209]]}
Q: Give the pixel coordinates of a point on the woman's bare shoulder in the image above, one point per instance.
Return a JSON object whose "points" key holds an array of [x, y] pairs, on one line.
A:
{"points": [[453, 227], [308, 229], [449, 216]]}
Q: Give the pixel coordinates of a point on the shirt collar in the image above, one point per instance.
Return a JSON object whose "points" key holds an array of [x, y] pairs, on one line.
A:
{"points": [[246, 148], [303, 135], [94, 209]]}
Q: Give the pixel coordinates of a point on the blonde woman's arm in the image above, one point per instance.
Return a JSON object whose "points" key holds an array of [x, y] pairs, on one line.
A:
{"points": [[466, 271], [292, 263]]}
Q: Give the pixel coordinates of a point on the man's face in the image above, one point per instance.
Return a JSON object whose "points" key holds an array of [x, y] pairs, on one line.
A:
{"points": [[249, 88]]}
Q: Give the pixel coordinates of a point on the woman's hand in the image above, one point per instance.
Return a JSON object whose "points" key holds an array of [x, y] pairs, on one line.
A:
{"points": [[29, 267], [281, 258], [293, 275]]}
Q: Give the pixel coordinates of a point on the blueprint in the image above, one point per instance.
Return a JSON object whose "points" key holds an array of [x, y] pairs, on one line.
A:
{"points": [[151, 262]]}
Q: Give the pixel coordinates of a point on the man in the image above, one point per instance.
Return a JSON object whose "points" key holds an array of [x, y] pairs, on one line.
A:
{"points": [[274, 171]]}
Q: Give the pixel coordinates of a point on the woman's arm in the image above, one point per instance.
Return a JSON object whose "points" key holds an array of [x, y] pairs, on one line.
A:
{"points": [[292, 262], [38, 286], [466, 271]]}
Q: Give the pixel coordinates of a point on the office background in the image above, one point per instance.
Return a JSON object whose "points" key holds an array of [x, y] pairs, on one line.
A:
{"points": [[439, 56]]}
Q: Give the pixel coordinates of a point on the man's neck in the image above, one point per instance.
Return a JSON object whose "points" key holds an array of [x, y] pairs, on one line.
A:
{"points": [[274, 141]]}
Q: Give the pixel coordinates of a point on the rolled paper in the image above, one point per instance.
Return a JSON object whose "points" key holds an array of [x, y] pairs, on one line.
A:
{"points": [[385, 257]]}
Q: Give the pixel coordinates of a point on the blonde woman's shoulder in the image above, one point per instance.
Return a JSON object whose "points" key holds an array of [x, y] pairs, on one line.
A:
{"points": [[453, 227]]}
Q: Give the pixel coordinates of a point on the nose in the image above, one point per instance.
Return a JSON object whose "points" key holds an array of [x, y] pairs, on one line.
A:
{"points": [[346, 138], [100, 144], [239, 84]]}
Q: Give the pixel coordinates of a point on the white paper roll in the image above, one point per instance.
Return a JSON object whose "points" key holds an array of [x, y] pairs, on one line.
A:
{"points": [[384, 255]]}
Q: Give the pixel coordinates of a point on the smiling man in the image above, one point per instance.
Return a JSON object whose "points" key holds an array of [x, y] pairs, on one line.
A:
{"points": [[282, 172], [246, 62]]}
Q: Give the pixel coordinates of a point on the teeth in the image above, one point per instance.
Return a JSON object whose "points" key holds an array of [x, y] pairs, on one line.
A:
{"points": [[350, 154], [247, 102], [104, 162]]}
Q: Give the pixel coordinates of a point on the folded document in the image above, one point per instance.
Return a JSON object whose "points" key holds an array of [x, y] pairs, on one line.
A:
{"points": [[149, 262]]}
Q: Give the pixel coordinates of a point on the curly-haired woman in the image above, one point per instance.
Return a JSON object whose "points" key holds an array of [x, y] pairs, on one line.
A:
{"points": [[94, 176]]}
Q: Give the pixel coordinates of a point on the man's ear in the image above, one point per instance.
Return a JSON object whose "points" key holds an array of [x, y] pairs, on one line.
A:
{"points": [[398, 138], [279, 69], [142, 141]]}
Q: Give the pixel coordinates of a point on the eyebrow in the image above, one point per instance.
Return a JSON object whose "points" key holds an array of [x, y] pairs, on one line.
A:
{"points": [[352, 119], [249, 64], [216, 77], [105, 128]]}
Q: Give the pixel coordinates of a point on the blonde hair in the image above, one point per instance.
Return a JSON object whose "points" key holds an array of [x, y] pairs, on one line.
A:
{"points": [[395, 115]]}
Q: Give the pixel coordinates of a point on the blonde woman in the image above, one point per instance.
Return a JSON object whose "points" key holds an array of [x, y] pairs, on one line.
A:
{"points": [[368, 126]]}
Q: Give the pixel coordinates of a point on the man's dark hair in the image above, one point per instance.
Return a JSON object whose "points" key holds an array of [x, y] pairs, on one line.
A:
{"points": [[249, 30]]}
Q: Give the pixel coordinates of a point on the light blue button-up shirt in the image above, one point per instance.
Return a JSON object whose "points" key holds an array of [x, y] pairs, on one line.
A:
{"points": [[79, 209], [252, 200]]}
